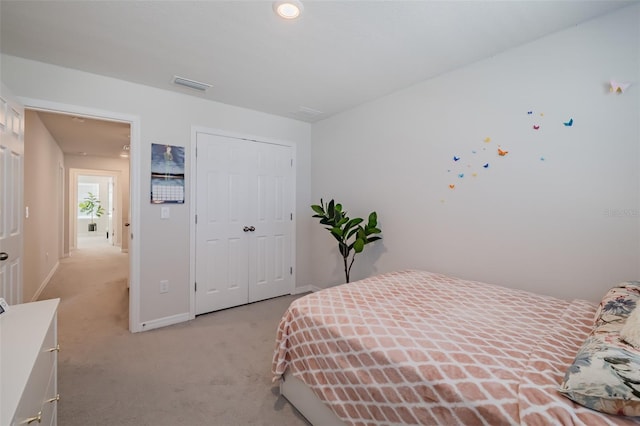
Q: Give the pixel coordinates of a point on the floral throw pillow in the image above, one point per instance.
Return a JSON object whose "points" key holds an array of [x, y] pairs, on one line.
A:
{"points": [[605, 375], [616, 306]]}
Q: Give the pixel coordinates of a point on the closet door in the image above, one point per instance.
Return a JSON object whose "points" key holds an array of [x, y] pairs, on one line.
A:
{"points": [[271, 215], [222, 246], [244, 202]]}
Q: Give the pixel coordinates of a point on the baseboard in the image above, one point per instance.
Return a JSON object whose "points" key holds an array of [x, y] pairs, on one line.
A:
{"points": [[45, 282], [306, 289], [163, 322]]}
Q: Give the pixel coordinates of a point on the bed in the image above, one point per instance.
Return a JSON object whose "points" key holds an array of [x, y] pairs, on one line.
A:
{"points": [[414, 347]]}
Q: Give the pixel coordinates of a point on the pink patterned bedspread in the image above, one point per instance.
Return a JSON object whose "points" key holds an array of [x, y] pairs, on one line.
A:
{"points": [[415, 347]]}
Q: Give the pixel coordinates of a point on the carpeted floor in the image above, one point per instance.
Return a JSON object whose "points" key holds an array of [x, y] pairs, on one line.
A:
{"points": [[214, 370]]}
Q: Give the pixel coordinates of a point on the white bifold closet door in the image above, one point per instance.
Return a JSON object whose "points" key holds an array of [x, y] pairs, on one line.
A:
{"points": [[244, 207]]}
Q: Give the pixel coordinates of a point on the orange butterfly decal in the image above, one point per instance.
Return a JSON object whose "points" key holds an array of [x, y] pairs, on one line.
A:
{"points": [[452, 186], [502, 153]]}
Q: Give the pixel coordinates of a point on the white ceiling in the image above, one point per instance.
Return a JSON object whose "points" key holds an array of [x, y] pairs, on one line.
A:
{"points": [[87, 136], [338, 55]]}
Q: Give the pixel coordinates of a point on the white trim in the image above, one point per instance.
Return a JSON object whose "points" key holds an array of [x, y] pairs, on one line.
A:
{"points": [[135, 164], [192, 204], [163, 322], [45, 282]]}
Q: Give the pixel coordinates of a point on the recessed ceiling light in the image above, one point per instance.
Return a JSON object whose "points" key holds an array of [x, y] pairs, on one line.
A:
{"points": [[288, 9]]}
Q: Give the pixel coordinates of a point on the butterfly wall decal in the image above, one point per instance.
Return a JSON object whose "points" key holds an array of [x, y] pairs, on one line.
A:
{"points": [[487, 139], [569, 123], [536, 127], [486, 165], [452, 186], [456, 158], [617, 87], [502, 153]]}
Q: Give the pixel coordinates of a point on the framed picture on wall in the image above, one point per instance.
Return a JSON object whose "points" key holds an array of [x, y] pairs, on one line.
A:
{"points": [[167, 174]]}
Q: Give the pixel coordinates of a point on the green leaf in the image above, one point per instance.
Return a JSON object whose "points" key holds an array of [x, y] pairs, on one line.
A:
{"points": [[318, 209], [337, 231], [352, 232], [373, 219], [358, 245]]}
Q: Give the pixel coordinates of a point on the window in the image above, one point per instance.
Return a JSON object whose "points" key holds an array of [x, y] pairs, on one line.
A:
{"points": [[83, 191]]}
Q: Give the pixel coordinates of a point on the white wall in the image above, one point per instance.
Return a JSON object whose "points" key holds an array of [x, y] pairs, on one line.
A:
{"points": [[42, 190], [567, 226], [166, 118]]}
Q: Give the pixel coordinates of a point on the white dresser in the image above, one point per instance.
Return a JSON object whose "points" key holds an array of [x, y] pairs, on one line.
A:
{"points": [[28, 364]]}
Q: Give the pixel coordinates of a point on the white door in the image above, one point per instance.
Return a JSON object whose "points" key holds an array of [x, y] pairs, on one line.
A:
{"points": [[11, 186], [244, 227]]}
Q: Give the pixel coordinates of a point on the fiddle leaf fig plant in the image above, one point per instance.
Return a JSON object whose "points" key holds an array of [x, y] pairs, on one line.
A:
{"points": [[352, 234], [91, 205]]}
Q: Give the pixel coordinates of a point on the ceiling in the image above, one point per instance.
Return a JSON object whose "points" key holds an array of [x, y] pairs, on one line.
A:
{"points": [[87, 136], [338, 55]]}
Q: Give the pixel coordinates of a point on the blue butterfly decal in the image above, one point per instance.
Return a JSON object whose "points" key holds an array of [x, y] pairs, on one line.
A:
{"points": [[485, 165], [455, 158], [569, 123], [461, 175]]}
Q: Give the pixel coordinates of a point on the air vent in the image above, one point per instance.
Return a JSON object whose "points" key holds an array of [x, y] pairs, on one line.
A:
{"points": [[308, 112], [191, 84]]}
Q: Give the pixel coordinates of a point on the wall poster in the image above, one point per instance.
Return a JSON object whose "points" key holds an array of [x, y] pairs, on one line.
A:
{"points": [[167, 174]]}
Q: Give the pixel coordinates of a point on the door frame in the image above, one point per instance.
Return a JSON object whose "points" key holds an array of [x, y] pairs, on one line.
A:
{"points": [[135, 165], [192, 203], [74, 173]]}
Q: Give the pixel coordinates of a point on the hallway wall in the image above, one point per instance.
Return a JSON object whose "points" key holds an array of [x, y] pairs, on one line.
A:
{"points": [[42, 250]]}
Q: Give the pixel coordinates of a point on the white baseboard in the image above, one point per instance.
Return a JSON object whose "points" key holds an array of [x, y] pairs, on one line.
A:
{"points": [[163, 322], [45, 282], [306, 289]]}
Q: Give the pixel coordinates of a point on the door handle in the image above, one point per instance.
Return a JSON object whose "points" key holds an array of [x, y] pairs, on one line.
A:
{"points": [[4, 256], [245, 229], [249, 228], [252, 228]]}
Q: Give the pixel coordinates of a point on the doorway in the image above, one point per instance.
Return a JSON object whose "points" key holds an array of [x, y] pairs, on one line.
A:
{"points": [[96, 203], [130, 201]]}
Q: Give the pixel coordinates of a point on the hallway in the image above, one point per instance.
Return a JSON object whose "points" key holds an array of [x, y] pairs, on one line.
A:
{"points": [[92, 286]]}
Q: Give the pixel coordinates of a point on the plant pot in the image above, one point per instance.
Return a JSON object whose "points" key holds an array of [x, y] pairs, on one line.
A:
{"points": [[93, 227]]}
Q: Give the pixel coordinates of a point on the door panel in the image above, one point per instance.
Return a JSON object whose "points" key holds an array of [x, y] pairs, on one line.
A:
{"points": [[271, 248], [242, 185], [11, 187], [221, 246]]}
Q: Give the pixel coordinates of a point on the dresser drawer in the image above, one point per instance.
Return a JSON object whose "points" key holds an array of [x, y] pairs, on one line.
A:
{"points": [[50, 404], [42, 377]]}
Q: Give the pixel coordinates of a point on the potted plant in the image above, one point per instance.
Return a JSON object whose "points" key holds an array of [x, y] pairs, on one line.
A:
{"points": [[350, 234], [91, 206]]}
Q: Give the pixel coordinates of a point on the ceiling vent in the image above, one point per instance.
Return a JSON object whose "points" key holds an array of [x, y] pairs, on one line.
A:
{"points": [[307, 112], [191, 84]]}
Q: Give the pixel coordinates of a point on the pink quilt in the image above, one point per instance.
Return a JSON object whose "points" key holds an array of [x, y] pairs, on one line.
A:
{"points": [[415, 347]]}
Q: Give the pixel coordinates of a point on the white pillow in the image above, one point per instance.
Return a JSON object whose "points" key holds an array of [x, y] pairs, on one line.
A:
{"points": [[630, 331]]}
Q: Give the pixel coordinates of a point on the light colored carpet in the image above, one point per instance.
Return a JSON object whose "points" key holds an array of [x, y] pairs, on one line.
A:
{"points": [[214, 370]]}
